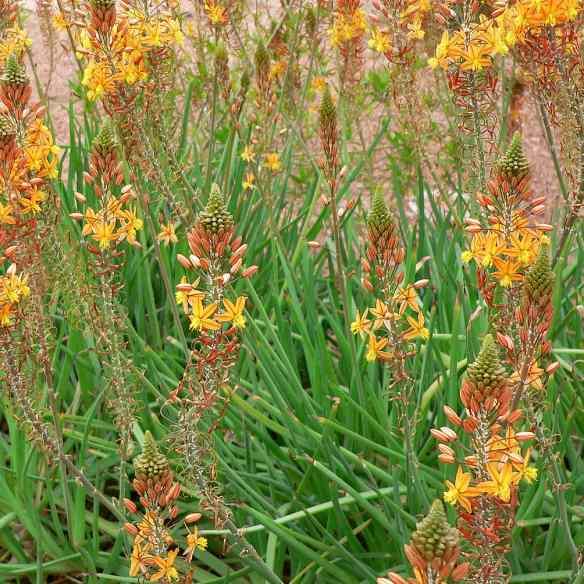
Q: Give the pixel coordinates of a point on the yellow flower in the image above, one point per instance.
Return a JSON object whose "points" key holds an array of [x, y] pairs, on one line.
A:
{"points": [[131, 225], [494, 41], [6, 215], [379, 41], [277, 69], [485, 247], [90, 221], [31, 205], [500, 483], [167, 234], [506, 272], [248, 155], [185, 297], [233, 312], [524, 470], [475, 59], [98, 80], [201, 317], [375, 349], [194, 542], [460, 491], [407, 297], [137, 565], [104, 233], [166, 567], [14, 288], [417, 329], [216, 13], [248, 181], [523, 248], [416, 32], [272, 161], [441, 57], [360, 325], [60, 22], [382, 314], [318, 84]]}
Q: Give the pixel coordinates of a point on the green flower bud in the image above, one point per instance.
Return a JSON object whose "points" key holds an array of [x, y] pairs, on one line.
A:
{"points": [[14, 71], [151, 463], [487, 371], [215, 217], [514, 163], [434, 536]]}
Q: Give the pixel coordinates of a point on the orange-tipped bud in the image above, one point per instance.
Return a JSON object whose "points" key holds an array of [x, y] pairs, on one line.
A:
{"points": [[524, 436], [76, 216], [131, 529], [421, 284], [236, 266], [452, 416], [505, 341], [446, 458], [440, 436], [249, 272], [544, 227], [130, 506], [446, 450], [367, 285], [313, 244], [184, 261], [550, 369], [193, 517]]}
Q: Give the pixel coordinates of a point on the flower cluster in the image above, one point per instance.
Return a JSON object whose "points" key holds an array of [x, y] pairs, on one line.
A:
{"points": [[13, 40], [398, 27], [474, 48], [490, 459], [433, 552], [154, 551], [217, 256], [13, 289], [114, 221], [349, 23], [28, 153], [397, 318], [508, 239], [28, 159], [119, 49], [347, 33]]}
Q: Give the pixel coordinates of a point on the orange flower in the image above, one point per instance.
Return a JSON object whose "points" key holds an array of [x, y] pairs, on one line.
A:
{"points": [[417, 329], [460, 491]]}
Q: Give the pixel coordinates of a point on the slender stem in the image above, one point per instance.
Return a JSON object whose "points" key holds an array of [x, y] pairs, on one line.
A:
{"points": [[550, 142], [343, 286]]}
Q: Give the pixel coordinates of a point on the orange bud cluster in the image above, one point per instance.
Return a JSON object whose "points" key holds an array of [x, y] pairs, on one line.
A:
{"points": [[103, 16], [27, 161], [113, 222], [433, 552], [154, 549], [489, 471], [217, 256]]}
